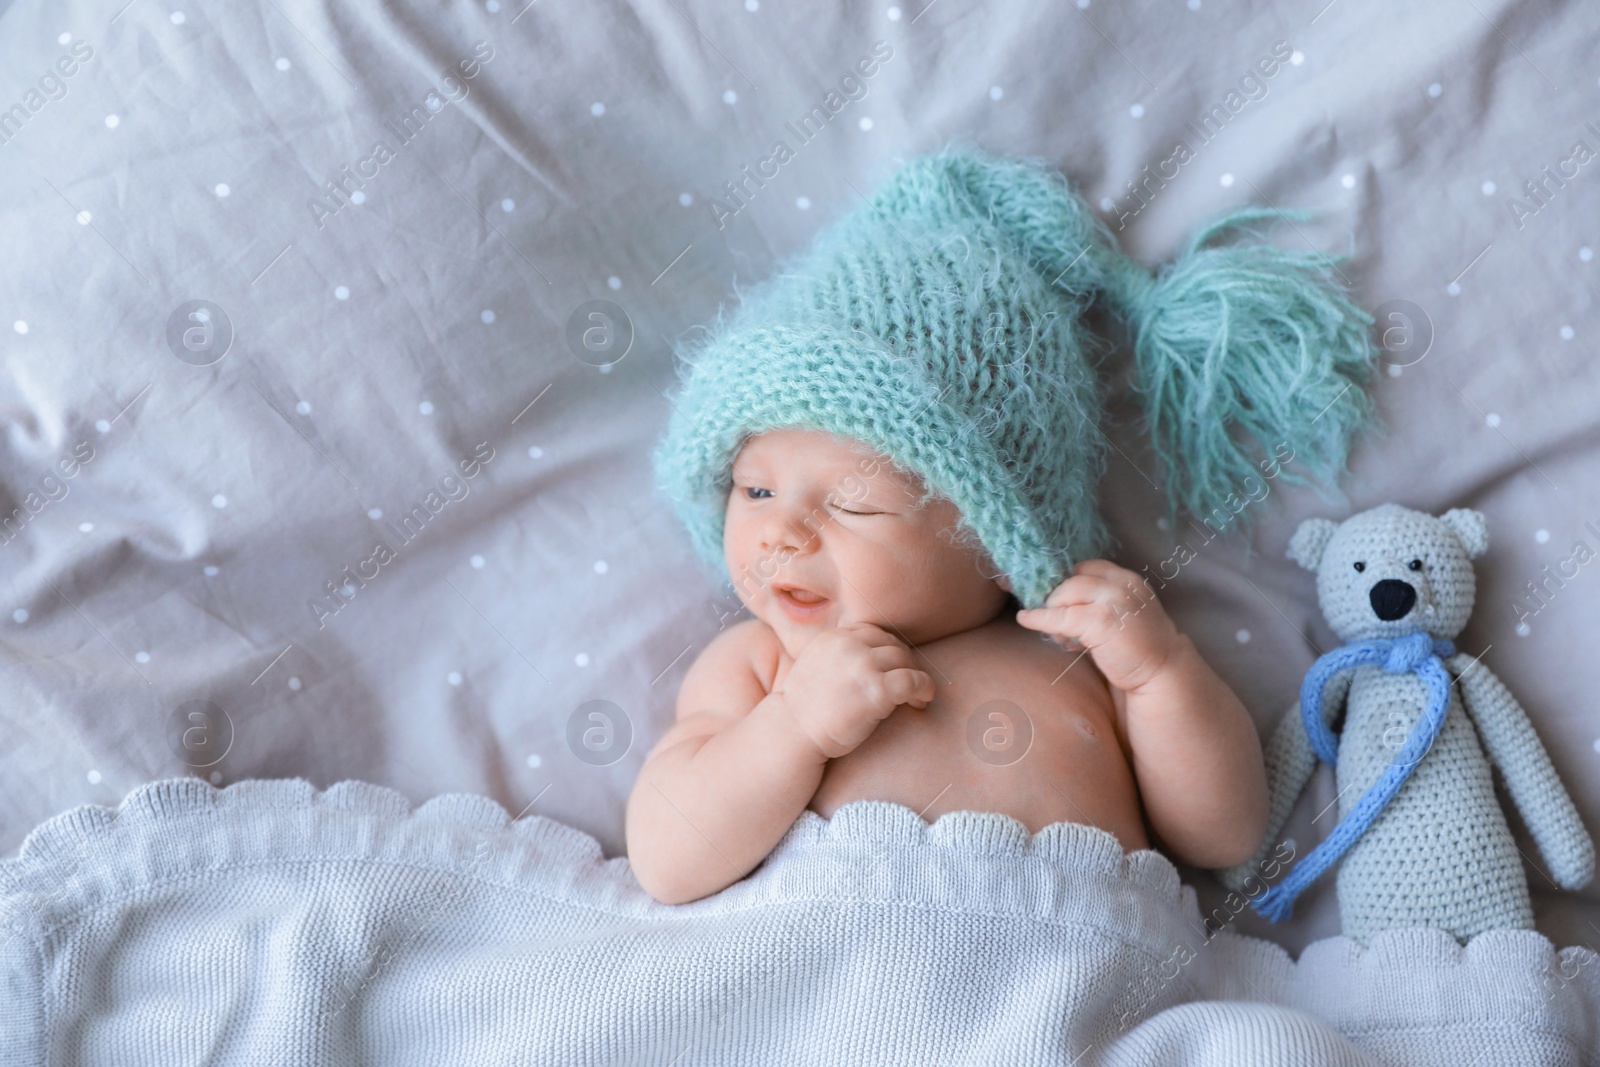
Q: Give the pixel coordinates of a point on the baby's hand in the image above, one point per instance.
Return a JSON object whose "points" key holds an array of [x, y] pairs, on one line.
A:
{"points": [[1113, 613], [846, 681]]}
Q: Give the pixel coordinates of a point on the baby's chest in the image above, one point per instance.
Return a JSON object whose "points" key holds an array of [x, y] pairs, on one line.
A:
{"points": [[1004, 733]]}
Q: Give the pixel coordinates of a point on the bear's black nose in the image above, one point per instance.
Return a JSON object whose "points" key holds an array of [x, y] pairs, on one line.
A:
{"points": [[1391, 599]]}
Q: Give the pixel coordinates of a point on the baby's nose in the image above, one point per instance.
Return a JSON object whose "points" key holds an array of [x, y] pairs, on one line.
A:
{"points": [[787, 529]]}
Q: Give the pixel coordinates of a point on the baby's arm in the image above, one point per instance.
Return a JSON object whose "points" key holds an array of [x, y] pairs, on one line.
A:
{"points": [[724, 783], [1196, 754], [740, 765], [1198, 760]]}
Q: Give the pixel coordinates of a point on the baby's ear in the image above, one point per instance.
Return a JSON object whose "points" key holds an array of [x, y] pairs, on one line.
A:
{"points": [[1004, 583], [1309, 541]]}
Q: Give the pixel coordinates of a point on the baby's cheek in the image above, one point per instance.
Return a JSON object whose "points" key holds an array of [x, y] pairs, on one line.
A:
{"points": [[894, 600]]}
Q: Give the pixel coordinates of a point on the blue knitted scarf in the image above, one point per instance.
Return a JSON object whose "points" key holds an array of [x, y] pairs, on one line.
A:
{"points": [[1417, 652]]}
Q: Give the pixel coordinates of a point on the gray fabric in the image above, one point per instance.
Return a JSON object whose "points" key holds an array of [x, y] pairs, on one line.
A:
{"points": [[1500, 415]]}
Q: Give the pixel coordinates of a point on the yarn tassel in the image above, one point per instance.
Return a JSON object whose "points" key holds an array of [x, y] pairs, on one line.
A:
{"points": [[1275, 905], [1243, 340], [1247, 356]]}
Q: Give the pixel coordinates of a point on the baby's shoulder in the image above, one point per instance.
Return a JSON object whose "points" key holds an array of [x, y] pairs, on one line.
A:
{"points": [[725, 674]]}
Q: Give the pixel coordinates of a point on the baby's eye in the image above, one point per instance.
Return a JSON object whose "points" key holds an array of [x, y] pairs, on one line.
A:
{"points": [[1415, 564], [750, 490], [1360, 566]]}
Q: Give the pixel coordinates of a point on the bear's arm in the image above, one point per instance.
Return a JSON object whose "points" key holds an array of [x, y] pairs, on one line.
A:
{"points": [[1290, 764], [1512, 745]]}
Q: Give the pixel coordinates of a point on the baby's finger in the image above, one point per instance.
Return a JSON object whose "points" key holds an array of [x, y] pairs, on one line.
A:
{"points": [[1079, 589], [1120, 578], [872, 634], [1082, 623], [1050, 620], [1096, 588], [888, 657], [1100, 568], [1088, 587], [908, 686], [1061, 639]]}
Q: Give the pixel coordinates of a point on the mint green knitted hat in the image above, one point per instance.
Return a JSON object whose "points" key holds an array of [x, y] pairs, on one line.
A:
{"points": [[941, 324]]}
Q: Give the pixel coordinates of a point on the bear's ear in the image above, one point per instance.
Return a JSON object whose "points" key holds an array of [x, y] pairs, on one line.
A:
{"points": [[1470, 528], [1306, 546]]}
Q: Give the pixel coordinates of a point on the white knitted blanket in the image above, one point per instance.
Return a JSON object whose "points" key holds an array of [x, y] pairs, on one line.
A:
{"points": [[267, 923]]}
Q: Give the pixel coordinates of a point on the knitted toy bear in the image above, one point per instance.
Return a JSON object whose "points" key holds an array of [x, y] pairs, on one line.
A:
{"points": [[1423, 839]]}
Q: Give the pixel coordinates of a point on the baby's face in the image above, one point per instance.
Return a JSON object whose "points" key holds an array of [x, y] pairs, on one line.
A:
{"points": [[822, 531]]}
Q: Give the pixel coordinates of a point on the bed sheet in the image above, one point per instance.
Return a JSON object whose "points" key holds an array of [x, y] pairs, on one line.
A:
{"points": [[317, 463]]}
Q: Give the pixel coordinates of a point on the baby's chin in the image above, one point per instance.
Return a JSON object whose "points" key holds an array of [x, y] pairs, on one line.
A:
{"points": [[795, 634]]}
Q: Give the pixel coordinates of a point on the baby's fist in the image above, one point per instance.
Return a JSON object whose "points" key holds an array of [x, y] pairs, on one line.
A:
{"points": [[1112, 613], [849, 679]]}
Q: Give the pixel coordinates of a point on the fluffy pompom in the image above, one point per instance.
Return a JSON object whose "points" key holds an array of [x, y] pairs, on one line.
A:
{"points": [[1244, 341]]}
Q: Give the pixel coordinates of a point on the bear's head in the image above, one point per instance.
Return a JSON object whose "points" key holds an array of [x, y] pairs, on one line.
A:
{"points": [[1391, 570]]}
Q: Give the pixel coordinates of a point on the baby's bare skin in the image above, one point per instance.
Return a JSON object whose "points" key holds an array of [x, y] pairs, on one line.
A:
{"points": [[862, 685], [1055, 754]]}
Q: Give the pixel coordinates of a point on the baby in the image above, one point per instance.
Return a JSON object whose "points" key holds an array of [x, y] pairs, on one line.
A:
{"points": [[894, 445], [878, 639]]}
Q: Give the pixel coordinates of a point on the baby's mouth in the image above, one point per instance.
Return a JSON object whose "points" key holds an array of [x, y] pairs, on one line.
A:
{"points": [[799, 603]]}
